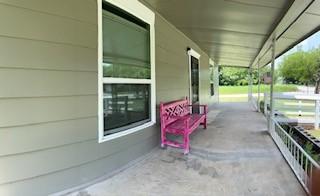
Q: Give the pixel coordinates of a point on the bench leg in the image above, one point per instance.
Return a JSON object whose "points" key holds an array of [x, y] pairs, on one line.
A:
{"points": [[163, 138], [186, 142], [205, 123]]}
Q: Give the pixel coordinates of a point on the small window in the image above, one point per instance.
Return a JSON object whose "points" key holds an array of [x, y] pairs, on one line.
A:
{"points": [[126, 98], [211, 71]]}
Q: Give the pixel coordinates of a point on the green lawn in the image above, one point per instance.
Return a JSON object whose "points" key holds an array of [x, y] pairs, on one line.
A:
{"points": [[315, 133], [225, 90]]}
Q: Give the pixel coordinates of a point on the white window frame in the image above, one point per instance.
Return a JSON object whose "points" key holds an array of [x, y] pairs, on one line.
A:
{"points": [[196, 55], [211, 66], [138, 10]]}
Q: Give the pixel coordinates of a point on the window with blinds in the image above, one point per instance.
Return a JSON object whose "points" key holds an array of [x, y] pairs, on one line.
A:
{"points": [[126, 70]]}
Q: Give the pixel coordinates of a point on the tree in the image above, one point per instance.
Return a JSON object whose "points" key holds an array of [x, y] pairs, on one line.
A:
{"points": [[232, 76], [302, 68]]}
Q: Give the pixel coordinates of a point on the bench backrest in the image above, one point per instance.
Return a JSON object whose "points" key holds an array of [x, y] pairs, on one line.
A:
{"points": [[170, 110]]}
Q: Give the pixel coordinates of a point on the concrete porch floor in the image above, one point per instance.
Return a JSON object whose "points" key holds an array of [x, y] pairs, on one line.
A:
{"points": [[234, 156]]}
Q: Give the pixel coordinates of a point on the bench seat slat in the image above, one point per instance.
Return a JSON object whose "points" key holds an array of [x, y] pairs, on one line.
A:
{"points": [[179, 126]]}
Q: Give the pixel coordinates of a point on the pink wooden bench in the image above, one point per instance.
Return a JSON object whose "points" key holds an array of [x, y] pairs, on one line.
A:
{"points": [[177, 119]]}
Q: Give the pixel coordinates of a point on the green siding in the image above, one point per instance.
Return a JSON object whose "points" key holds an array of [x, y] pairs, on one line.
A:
{"points": [[21, 80], [18, 139], [29, 24], [48, 101], [172, 72], [37, 54]]}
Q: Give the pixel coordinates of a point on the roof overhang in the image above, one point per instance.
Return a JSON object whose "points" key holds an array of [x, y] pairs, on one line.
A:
{"points": [[239, 32], [300, 21]]}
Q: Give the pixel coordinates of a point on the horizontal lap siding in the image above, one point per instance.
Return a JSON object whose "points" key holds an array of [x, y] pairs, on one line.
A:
{"points": [[46, 83], [14, 168], [32, 25], [49, 103], [36, 54], [17, 140], [204, 80], [80, 174], [48, 97], [26, 111], [72, 9], [172, 69]]}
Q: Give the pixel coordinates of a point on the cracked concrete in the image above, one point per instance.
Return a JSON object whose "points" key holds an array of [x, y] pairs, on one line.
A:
{"points": [[234, 156]]}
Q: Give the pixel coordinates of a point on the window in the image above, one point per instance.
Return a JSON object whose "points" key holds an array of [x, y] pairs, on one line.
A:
{"points": [[126, 68], [194, 84], [211, 72], [211, 69], [194, 80]]}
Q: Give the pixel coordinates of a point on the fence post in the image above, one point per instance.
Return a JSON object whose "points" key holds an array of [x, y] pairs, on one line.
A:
{"points": [[300, 108], [250, 84], [265, 104], [259, 81], [316, 117]]}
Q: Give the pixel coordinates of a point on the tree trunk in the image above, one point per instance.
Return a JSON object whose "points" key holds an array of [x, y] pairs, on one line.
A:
{"points": [[317, 88]]}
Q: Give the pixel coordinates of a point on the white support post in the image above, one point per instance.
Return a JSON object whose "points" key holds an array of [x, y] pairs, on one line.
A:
{"points": [[300, 107], [317, 113], [258, 104], [272, 81], [216, 81], [250, 85]]}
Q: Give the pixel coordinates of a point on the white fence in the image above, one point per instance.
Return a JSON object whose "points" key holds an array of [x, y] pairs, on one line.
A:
{"points": [[301, 108], [300, 161]]}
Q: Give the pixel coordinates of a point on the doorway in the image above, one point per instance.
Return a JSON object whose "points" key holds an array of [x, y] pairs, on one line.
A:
{"points": [[194, 85]]}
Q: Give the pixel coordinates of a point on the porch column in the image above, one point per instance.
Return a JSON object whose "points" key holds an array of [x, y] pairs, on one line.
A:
{"points": [[216, 80], [250, 84], [273, 45], [258, 104]]}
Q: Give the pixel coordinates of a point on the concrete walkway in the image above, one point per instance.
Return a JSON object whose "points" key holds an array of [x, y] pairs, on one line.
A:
{"points": [[235, 156]]}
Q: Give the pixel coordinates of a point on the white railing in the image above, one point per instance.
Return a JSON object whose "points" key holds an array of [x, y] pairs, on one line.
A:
{"points": [[299, 160], [302, 108]]}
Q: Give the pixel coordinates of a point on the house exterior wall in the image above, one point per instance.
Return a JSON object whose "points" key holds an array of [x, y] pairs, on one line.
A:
{"points": [[172, 71], [49, 102]]}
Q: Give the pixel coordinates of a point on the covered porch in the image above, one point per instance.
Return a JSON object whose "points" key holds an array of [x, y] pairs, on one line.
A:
{"points": [[235, 155], [82, 82]]}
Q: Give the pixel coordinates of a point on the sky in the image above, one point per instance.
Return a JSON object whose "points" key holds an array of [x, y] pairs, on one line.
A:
{"points": [[306, 45]]}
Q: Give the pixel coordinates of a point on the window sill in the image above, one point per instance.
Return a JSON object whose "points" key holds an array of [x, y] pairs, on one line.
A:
{"points": [[126, 132]]}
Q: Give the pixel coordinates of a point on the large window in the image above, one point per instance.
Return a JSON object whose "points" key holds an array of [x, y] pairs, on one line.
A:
{"points": [[126, 69]]}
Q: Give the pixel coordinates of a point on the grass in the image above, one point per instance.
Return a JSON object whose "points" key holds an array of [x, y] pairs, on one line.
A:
{"points": [[315, 133], [227, 90]]}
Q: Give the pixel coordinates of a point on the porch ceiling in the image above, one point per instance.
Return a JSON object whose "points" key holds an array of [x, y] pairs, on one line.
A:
{"points": [[238, 32]]}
